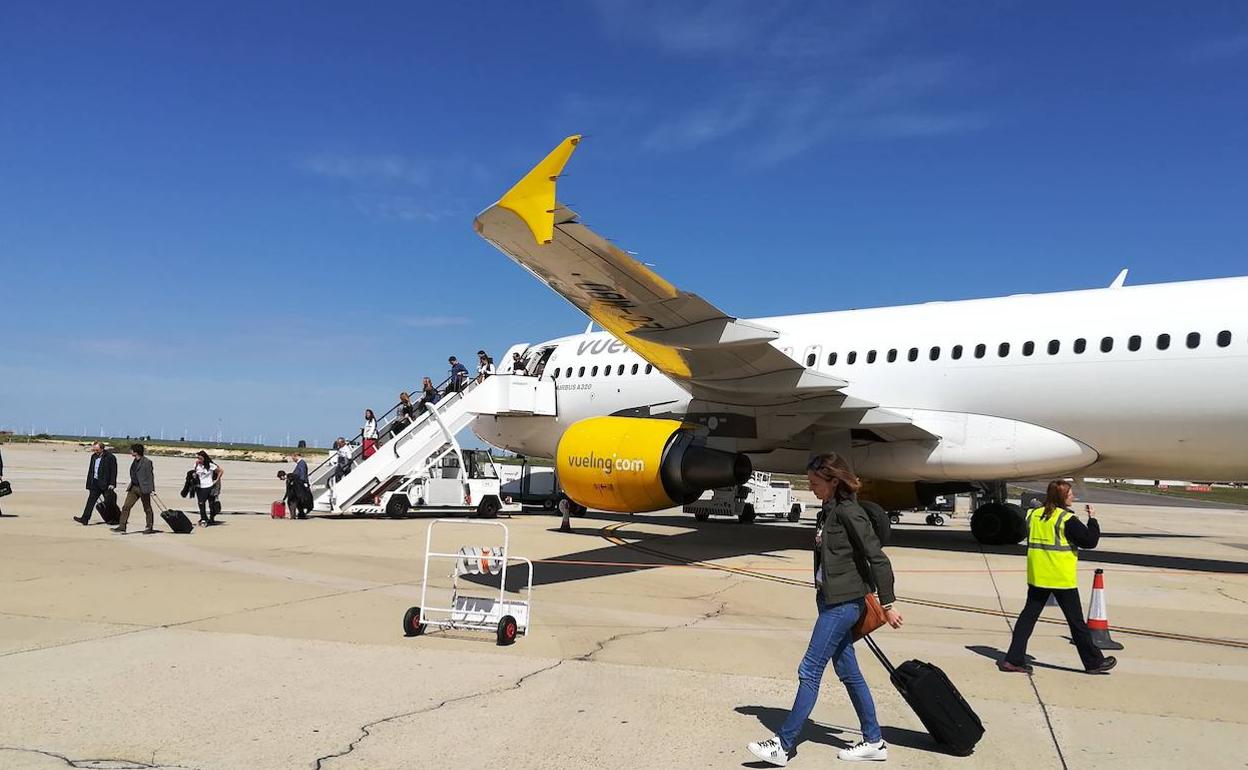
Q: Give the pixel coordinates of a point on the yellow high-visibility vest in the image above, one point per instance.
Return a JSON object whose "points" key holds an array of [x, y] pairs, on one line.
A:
{"points": [[1052, 562]]}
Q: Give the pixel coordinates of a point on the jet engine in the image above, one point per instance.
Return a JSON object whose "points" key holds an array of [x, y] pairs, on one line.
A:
{"points": [[631, 464]]}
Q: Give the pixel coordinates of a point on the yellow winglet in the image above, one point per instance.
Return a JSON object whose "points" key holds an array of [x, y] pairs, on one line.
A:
{"points": [[533, 198]]}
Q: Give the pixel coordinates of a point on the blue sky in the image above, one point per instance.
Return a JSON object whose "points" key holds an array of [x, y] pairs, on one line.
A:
{"points": [[256, 217]]}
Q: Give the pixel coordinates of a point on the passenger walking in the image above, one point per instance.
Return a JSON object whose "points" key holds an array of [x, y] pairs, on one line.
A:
{"points": [[459, 376], [344, 453], [2, 477], [207, 482], [369, 433], [1054, 535], [849, 564], [142, 485], [302, 502], [518, 366], [405, 413], [485, 365], [101, 479], [430, 394]]}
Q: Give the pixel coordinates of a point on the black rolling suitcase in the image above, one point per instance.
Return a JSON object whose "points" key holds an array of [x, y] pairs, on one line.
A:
{"points": [[940, 707], [108, 510], [175, 520]]}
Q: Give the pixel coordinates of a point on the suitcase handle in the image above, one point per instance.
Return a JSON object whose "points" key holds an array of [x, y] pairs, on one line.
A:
{"points": [[879, 654]]}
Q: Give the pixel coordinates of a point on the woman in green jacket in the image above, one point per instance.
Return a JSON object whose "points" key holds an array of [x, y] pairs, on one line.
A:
{"points": [[849, 561]]}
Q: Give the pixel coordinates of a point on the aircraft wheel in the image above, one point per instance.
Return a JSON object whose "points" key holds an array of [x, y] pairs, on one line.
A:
{"points": [[997, 524], [412, 625], [747, 514]]}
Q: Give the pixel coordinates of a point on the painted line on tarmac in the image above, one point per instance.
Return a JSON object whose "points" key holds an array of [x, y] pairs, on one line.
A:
{"points": [[608, 534]]}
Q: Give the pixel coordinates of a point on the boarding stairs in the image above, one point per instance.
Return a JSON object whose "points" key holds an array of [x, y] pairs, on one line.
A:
{"points": [[414, 446]]}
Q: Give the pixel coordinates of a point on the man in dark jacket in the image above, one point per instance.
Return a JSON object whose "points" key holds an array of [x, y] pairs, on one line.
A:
{"points": [[101, 479], [1, 473], [142, 485]]}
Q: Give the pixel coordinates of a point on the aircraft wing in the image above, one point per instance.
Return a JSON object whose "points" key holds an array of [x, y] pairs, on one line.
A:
{"points": [[715, 356]]}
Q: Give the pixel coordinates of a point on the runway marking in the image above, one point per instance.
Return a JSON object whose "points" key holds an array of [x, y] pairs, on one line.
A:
{"points": [[608, 534]]}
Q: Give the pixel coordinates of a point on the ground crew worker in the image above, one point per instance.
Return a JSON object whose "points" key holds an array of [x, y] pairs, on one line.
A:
{"points": [[1054, 535]]}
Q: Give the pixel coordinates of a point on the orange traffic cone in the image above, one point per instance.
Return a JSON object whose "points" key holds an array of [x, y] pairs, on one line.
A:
{"points": [[1098, 615]]}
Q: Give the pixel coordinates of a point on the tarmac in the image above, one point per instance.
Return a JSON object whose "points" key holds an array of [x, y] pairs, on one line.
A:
{"points": [[657, 641]]}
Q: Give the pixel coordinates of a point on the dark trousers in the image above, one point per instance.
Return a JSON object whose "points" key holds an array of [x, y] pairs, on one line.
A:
{"points": [[1068, 600], [133, 496], [206, 503], [93, 497]]}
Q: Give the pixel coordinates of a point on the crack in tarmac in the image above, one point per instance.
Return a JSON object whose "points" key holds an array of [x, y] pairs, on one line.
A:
{"points": [[99, 764], [366, 729]]}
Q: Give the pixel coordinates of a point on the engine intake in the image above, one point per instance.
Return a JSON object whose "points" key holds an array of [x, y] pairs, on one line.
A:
{"points": [[632, 465]]}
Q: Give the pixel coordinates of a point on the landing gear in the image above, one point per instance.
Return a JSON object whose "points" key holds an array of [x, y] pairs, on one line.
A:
{"points": [[567, 509], [997, 524], [795, 512], [747, 514], [881, 522]]}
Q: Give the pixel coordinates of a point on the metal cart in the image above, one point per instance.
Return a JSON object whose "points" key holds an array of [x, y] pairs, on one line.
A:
{"points": [[506, 617]]}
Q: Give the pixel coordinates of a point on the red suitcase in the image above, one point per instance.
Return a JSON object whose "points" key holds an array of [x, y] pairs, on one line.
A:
{"points": [[278, 511]]}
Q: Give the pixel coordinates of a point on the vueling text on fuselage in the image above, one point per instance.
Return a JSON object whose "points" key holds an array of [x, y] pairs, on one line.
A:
{"points": [[607, 464]]}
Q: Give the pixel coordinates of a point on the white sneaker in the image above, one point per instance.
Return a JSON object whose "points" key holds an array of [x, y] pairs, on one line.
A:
{"points": [[865, 752], [770, 750]]}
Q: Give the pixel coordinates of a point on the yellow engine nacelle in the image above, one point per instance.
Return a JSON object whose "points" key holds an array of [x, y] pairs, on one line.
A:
{"points": [[632, 464]]}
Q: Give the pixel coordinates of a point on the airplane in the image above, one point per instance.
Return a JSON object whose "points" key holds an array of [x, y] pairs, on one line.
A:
{"points": [[676, 396]]}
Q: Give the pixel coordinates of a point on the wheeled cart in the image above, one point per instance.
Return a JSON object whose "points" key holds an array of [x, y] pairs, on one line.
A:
{"points": [[508, 618]]}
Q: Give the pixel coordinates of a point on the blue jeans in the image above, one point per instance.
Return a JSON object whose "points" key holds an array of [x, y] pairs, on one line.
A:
{"points": [[832, 639]]}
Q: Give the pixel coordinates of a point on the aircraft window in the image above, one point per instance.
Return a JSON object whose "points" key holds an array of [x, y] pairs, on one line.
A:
{"points": [[913, 355], [1081, 345], [581, 373], [649, 368], [1003, 349], [870, 356], [934, 353], [554, 374], [593, 372], [980, 349], [1193, 340], [1107, 344], [831, 359], [620, 370], [606, 371], [1163, 341], [1029, 347], [1054, 347], [851, 357], [1224, 339], [956, 353], [810, 360], [892, 355], [1133, 342]]}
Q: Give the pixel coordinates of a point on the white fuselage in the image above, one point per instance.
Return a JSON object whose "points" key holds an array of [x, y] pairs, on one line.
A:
{"points": [[1145, 409]]}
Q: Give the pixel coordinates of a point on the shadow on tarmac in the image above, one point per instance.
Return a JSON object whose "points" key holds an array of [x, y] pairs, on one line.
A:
{"points": [[996, 656], [836, 736]]}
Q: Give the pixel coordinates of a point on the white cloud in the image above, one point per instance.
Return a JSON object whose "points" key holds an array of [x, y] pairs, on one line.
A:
{"points": [[363, 168]]}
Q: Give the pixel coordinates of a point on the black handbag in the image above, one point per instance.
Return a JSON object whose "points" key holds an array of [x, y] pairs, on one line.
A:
{"points": [[6, 489]]}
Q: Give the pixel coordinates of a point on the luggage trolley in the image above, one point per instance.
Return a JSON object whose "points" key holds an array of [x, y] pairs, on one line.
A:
{"points": [[506, 617]]}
